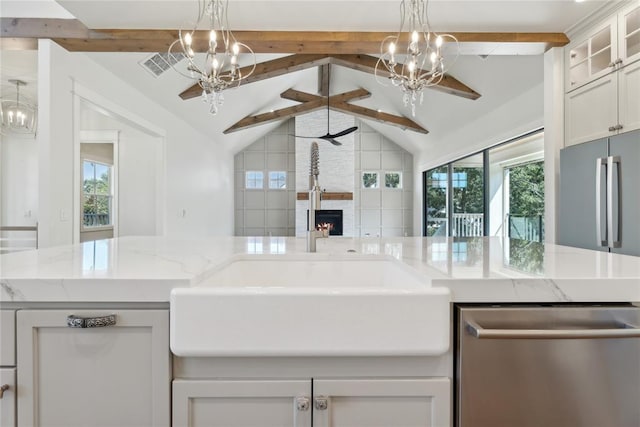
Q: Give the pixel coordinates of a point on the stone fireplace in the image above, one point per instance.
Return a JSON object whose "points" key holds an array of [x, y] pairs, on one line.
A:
{"points": [[337, 171]]}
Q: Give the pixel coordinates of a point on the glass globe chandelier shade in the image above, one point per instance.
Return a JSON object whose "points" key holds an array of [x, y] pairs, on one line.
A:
{"points": [[17, 115], [420, 50], [212, 54]]}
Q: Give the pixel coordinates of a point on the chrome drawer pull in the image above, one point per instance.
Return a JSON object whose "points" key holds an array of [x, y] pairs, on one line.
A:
{"points": [[3, 388], [624, 331], [91, 322]]}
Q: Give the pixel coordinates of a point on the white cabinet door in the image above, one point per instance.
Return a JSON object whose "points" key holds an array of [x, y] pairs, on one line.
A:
{"points": [[8, 399], [7, 337], [241, 403], [591, 55], [98, 376], [592, 111], [629, 100], [629, 33], [423, 402]]}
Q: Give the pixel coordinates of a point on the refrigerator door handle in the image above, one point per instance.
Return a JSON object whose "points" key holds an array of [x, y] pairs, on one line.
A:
{"points": [[610, 201], [602, 161], [614, 160]]}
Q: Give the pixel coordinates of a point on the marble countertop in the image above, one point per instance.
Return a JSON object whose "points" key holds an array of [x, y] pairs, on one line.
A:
{"points": [[489, 270]]}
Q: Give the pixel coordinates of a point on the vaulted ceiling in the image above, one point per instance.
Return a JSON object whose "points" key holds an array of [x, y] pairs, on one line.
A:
{"points": [[498, 67]]}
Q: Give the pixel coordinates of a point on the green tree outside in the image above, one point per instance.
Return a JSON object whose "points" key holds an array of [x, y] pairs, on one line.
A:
{"points": [[97, 195], [526, 196]]}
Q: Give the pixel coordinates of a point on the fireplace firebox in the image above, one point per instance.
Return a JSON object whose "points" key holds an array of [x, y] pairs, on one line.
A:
{"points": [[329, 216]]}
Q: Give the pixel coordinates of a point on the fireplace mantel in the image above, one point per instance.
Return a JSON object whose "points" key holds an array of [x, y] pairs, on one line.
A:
{"points": [[326, 195]]}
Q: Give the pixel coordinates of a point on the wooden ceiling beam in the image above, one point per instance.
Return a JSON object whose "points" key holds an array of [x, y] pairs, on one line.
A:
{"points": [[367, 64], [364, 63], [282, 114], [336, 102], [323, 79], [74, 36], [269, 69], [386, 118], [299, 96], [43, 28]]}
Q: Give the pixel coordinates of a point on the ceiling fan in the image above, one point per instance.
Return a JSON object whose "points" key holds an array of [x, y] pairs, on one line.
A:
{"points": [[331, 137]]}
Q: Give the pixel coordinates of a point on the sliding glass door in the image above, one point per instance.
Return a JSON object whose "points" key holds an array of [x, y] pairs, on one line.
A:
{"points": [[436, 195], [468, 197], [497, 192]]}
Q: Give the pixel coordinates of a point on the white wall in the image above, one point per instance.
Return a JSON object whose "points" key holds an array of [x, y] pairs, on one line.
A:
{"points": [[198, 172], [18, 180], [137, 178]]}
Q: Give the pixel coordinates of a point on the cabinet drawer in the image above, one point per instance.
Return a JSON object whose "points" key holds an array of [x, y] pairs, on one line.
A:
{"points": [[8, 400], [7, 338]]}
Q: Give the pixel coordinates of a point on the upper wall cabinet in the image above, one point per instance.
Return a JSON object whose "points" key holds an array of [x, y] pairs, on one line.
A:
{"points": [[603, 49], [602, 100]]}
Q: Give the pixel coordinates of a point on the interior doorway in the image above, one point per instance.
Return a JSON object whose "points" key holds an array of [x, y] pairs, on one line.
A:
{"points": [[119, 174]]}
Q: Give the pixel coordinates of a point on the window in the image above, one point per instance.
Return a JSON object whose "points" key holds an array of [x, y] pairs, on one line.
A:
{"points": [[278, 180], [97, 194], [436, 195], [370, 180], [254, 179], [393, 179], [498, 191], [517, 186]]}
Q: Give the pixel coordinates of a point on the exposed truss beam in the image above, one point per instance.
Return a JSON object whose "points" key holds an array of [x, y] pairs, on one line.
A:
{"points": [[282, 114], [323, 79], [367, 64], [378, 116], [364, 63], [269, 69], [299, 96], [311, 102], [74, 36]]}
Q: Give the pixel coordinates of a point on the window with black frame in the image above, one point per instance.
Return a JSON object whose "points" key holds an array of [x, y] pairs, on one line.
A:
{"points": [[498, 192]]}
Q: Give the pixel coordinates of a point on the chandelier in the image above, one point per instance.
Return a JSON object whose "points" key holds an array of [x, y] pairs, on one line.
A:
{"points": [[423, 64], [18, 116], [212, 56]]}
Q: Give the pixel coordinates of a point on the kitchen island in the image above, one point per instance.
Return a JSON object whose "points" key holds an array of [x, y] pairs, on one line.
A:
{"points": [[146, 269], [130, 280]]}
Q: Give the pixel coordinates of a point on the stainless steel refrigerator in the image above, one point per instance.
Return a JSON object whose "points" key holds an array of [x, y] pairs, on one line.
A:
{"points": [[599, 204]]}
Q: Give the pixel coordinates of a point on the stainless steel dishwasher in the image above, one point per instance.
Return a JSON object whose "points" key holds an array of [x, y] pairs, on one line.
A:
{"points": [[548, 366]]}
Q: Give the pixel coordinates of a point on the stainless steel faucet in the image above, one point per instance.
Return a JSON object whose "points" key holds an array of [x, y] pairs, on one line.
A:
{"points": [[315, 194]]}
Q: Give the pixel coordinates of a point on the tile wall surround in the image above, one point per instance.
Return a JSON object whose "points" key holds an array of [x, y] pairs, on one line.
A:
{"points": [[372, 212], [264, 212], [385, 212]]}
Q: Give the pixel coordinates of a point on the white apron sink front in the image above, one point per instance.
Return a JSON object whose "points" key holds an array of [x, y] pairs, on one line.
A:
{"points": [[311, 305]]}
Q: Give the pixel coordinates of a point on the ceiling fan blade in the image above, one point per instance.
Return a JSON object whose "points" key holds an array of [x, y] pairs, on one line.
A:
{"points": [[343, 133], [331, 140], [306, 137], [325, 137]]}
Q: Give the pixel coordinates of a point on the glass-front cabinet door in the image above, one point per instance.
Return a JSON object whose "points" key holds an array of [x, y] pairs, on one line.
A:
{"points": [[593, 55], [629, 24]]}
